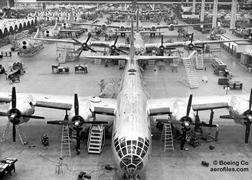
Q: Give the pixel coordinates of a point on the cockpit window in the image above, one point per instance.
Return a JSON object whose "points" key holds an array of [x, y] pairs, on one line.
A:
{"points": [[131, 70], [140, 144], [134, 142], [123, 144], [140, 139], [128, 142], [124, 151], [131, 153], [139, 151]]}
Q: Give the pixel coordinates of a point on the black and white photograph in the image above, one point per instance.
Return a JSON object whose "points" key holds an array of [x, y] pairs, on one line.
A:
{"points": [[125, 89]]}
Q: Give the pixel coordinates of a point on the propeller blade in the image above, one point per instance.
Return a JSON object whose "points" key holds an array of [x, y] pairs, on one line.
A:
{"points": [[247, 132], [162, 40], [89, 36], [95, 122], [91, 49], [122, 51], [232, 117], [78, 140], [250, 100], [33, 117], [189, 105], [183, 140], [116, 40], [78, 42], [191, 37], [227, 117], [3, 114], [58, 122], [14, 132], [76, 105], [80, 51], [13, 98]]}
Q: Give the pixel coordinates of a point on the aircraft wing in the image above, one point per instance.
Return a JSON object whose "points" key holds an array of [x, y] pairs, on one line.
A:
{"points": [[5, 98], [218, 41], [97, 25], [177, 25], [70, 30], [105, 106], [147, 58], [56, 40], [200, 103], [166, 45], [121, 57]]}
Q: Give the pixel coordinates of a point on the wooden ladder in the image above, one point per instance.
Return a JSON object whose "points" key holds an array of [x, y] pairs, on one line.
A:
{"points": [[167, 137], [65, 148]]}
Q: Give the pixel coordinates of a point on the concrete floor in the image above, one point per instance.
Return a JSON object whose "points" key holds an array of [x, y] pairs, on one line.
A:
{"points": [[35, 161]]}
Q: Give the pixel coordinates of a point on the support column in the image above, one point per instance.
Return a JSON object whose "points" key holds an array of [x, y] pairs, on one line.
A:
{"points": [[193, 6], [233, 14], [202, 12], [8, 4], [44, 6], [215, 9]]}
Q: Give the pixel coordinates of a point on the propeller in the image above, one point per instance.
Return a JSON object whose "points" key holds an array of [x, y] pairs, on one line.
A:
{"points": [[161, 47], [84, 46], [246, 117], [77, 122], [14, 114], [171, 27], [114, 49], [186, 122], [191, 45]]}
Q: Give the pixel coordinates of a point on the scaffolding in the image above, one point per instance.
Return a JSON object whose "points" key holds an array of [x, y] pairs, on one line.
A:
{"points": [[66, 53]]}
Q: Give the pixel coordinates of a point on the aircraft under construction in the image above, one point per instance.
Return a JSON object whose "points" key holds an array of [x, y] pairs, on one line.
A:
{"points": [[132, 109]]}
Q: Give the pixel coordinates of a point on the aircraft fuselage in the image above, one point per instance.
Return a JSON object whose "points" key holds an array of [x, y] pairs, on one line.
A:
{"points": [[131, 130]]}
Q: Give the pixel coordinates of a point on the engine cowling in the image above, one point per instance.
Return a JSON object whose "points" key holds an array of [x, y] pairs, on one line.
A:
{"points": [[238, 106], [24, 107], [179, 110], [25, 45], [171, 27]]}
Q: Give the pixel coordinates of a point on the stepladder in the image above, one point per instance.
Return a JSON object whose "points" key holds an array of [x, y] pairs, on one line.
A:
{"points": [[167, 137]]}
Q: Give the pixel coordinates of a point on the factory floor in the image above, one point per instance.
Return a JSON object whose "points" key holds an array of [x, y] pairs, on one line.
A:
{"points": [[38, 162]]}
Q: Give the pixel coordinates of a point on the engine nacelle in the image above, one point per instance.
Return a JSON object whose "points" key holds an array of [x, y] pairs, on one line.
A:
{"points": [[180, 108], [84, 111], [171, 27], [25, 45], [25, 107], [238, 107]]}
